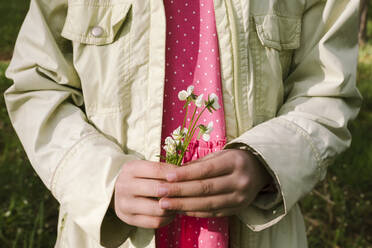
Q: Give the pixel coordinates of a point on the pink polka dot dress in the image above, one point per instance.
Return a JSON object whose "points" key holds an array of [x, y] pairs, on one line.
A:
{"points": [[192, 58]]}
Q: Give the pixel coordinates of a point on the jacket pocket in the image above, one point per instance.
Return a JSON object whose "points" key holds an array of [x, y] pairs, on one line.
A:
{"points": [[100, 31], [273, 38], [94, 22], [278, 32]]}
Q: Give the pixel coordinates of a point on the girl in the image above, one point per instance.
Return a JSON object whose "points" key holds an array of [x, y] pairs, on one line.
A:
{"points": [[95, 94]]}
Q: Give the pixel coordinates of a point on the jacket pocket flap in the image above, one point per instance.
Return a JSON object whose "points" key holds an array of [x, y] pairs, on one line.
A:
{"points": [[94, 22], [278, 32]]}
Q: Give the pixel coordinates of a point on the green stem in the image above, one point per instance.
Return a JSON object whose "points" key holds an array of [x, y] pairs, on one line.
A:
{"points": [[184, 119], [189, 137]]}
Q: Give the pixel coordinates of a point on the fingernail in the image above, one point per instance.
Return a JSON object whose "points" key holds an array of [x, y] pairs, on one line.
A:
{"points": [[164, 204], [171, 176], [162, 191]]}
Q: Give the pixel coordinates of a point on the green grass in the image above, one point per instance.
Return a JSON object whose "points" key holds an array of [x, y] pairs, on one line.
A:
{"points": [[12, 13]]}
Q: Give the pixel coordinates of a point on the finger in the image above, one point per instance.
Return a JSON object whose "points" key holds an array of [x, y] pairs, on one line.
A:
{"points": [[206, 157], [216, 166], [145, 221], [146, 187], [202, 204], [219, 213], [153, 170], [210, 186], [143, 206]]}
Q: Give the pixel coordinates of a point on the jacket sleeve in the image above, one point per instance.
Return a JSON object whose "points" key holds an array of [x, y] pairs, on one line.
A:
{"points": [[310, 128], [74, 160]]}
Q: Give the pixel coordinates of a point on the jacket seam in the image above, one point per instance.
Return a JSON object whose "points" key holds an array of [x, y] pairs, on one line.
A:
{"points": [[315, 151], [71, 151]]}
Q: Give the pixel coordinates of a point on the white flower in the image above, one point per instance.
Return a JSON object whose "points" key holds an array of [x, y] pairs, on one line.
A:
{"points": [[183, 94], [199, 101], [170, 145], [206, 133], [213, 97], [178, 134], [169, 141], [170, 149], [190, 89]]}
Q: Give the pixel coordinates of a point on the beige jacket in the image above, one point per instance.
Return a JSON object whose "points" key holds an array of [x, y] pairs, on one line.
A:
{"points": [[84, 104]]}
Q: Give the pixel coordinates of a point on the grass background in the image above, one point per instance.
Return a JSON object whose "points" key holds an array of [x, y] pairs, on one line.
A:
{"points": [[338, 212]]}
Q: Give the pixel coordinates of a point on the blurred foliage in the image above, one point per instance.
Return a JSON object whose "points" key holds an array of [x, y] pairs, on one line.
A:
{"points": [[12, 13], [337, 212]]}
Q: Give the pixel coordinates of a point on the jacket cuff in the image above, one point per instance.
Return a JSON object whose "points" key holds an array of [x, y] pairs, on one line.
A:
{"points": [[293, 162], [84, 182]]}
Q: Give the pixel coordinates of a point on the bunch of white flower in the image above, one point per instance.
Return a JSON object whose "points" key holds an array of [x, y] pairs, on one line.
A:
{"points": [[176, 145]]}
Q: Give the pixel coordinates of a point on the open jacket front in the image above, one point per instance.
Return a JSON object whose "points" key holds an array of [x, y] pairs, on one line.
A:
{"points": [[85, 104]]}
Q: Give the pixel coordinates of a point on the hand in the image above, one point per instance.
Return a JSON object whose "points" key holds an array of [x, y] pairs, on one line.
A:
{"points": [[137, 189], [220, 184]]}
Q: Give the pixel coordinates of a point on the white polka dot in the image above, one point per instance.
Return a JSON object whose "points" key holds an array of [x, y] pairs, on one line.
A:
{"points": [[176, 41], [217, 120], [211, 237], [185, 19], [186, 4], [171, 17], [175, 72], [184, 34], [194, 12], [191, 58]]}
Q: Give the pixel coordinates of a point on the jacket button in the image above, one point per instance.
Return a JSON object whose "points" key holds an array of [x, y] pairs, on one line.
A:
{"points": [[97, 31]]}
